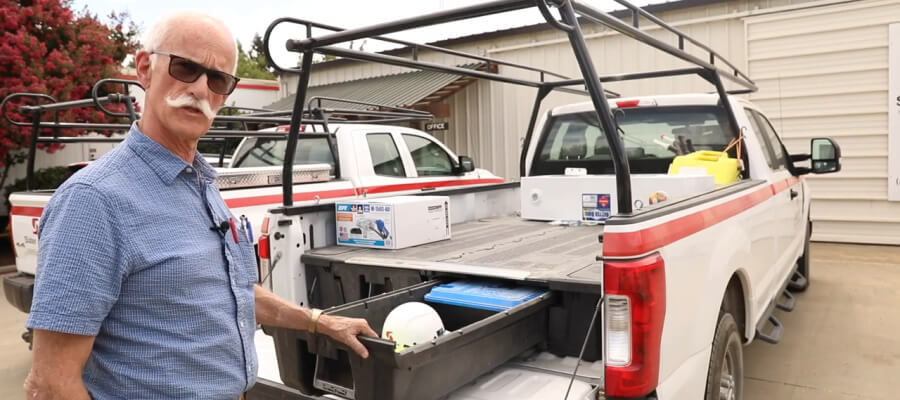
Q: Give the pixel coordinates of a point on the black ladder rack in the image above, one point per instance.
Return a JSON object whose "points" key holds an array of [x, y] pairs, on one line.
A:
{"points": [[46, 104], [712, 69]]}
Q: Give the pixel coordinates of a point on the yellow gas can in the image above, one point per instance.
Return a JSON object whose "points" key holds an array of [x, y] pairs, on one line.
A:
{"points": [[706, 162]]}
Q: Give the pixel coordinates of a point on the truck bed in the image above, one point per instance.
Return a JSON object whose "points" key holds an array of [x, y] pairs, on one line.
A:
{"points": [[502, 247]]}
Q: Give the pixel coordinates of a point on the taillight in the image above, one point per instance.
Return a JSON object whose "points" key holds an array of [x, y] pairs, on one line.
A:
{"points": [[618, 326], [628, 103], [264, 247], [265, 260], [635, 310]]}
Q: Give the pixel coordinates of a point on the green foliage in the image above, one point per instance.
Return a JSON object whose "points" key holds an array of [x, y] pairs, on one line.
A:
{"points": [[252, 64], [46, 47]]}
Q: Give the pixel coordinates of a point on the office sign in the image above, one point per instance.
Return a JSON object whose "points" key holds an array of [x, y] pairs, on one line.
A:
{"points": [[437, 126]]}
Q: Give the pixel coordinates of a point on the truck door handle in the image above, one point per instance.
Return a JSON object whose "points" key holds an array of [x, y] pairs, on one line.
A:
{"points": [[793, 194]]}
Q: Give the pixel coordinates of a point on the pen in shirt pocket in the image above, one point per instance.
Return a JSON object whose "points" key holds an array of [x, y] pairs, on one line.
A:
{"points": [[249, 228], [234, 232]]}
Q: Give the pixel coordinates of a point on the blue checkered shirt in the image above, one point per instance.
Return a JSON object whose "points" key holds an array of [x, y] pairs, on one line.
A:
{"points": [[127, 255]]}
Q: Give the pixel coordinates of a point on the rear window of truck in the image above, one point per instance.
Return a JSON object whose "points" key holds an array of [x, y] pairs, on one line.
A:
{"points": [[267, 152], [652, 136]]}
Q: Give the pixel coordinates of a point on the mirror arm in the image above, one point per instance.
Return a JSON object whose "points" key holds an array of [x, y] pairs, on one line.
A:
{"points": [[800, 157], [798, 171]]}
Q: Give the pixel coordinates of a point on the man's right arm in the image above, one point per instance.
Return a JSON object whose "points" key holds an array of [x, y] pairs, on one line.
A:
{"points": [[81, 267], [56, 371]]}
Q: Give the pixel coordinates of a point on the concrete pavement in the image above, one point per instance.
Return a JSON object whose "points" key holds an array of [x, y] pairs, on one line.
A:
{"points": [[840, 343], [16, 358]]}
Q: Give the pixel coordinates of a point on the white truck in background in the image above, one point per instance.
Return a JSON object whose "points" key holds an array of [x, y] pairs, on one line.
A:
{"points": [[368, 160]]}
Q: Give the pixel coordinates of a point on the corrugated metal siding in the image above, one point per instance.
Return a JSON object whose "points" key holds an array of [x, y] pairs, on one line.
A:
{"points": [[824, 72], [468, 122], [400, 90]]}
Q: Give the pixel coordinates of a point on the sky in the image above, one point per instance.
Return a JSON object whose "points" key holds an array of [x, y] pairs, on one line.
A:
{"points": [[247, 17]]}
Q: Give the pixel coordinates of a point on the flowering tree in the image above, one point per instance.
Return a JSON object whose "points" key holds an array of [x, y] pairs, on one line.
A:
{"points": [[47, 48]]}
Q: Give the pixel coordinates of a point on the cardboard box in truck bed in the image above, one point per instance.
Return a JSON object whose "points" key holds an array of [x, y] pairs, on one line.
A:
{"points": [[393, 222]]}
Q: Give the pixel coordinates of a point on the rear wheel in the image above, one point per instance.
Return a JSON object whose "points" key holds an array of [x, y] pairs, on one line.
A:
{"points": [[725, 377]]}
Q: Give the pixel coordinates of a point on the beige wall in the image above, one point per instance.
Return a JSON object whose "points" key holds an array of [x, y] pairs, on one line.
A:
{"points": [[824, 72]]}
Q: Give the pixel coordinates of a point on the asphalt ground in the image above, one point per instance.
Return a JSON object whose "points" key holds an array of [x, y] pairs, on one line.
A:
{"points": [[841, 342]]}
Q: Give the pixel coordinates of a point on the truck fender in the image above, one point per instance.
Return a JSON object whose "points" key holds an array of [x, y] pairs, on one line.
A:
{"points": [[728, 262]]}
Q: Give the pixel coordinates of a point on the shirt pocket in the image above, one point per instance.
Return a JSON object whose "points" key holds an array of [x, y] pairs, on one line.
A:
{"points": [[246, 261]]}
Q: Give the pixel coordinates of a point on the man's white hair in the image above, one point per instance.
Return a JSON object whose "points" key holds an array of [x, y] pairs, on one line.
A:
{"points": [[158, 33]]}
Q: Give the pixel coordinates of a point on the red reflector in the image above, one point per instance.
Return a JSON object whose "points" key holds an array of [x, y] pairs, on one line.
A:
{"points": [[628, 103], [264, 247], [644, 282]]}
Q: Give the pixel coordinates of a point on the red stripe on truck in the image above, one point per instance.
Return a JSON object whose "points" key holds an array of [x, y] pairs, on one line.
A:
{"points": [[331, 194], [27, 211], [276, 198], [625, 244], [239, 202]]}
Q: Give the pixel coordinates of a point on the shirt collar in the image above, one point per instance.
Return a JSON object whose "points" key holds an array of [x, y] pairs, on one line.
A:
{"points": [[162, 161]]}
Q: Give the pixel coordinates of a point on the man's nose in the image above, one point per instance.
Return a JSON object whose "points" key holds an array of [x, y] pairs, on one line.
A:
{"points": [[199, 88]]}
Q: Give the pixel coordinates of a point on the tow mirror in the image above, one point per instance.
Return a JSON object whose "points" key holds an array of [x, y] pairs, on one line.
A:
{"points": [[465, 165], [825, 155]]}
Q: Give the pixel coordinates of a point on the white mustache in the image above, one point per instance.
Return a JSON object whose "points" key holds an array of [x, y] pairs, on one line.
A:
{"points": [[186, 100]]}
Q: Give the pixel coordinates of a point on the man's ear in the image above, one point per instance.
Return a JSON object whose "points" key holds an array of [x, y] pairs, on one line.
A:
{"points": [[142, 62]]}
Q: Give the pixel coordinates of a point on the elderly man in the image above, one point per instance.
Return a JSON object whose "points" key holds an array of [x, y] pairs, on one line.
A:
{"points": [[137, 297]]}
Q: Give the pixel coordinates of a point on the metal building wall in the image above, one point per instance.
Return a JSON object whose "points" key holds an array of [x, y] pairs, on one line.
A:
{"points": [[824, 72]]}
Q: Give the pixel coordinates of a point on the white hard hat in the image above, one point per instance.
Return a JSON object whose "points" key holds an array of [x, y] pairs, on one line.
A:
{"points": [[412, 323]]}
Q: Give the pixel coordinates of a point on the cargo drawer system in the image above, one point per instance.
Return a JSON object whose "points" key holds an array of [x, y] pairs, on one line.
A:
{"points": [[476, 342]]}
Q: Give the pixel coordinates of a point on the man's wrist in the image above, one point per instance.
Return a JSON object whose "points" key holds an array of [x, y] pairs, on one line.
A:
{"points": [[314, 317]]}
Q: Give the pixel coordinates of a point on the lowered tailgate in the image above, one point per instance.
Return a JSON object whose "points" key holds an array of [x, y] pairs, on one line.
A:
{"points": [[25, 218]]}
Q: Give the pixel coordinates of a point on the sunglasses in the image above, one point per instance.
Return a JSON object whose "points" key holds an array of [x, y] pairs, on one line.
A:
{"points": [[188, 71]]}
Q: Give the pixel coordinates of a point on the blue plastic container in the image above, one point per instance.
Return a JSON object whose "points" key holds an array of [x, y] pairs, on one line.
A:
{"points": [[490, 296]]}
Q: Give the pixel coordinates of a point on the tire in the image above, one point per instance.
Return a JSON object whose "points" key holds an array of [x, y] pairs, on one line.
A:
{"points": [[725, 377], [803, 263]]}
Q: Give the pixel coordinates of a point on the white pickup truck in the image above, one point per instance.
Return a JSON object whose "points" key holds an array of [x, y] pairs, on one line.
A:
{"points": [[686, 281], [372, 160], [649, 240]]}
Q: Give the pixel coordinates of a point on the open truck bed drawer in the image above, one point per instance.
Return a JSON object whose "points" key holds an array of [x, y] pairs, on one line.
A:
{"points": [[476, 342]]}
